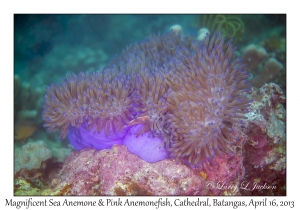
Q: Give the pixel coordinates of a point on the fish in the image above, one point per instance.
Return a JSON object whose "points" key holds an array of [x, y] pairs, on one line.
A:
{"points": [[24, 129], [139, 120]]}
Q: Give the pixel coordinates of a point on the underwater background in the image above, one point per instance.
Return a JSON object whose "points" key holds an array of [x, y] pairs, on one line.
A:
{"points": [[47, 47]]}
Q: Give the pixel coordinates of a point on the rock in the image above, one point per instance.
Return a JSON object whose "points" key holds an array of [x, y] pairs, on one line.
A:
{"points": [[118, 172]]}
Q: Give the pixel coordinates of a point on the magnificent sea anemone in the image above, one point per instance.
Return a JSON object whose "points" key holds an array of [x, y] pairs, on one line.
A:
{"points": [[167, 96]]}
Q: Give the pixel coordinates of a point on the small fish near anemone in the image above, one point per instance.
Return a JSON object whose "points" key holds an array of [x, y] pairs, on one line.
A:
{"points": [[24, 129], [166, 97]]}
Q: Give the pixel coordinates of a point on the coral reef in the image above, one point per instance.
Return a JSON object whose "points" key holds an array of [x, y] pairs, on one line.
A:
{"points": [[224, 174], [89, 172], [258, 160], [26, 101], [252, 55], [160, 83], [276, 45], [266, 58], [37, 181], [60, 153], [271, 69], [256, 165], [29, 134], [27, 109], [148, 98], [263, 66], [31, 155], [266, 145]]}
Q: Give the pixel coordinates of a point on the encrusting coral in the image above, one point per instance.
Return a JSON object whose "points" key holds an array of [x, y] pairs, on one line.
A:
{"points": [[186, 92], [30, 155]]}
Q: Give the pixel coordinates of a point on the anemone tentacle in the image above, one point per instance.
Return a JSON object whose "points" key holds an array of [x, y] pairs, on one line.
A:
{"points": [[187, 92]]}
